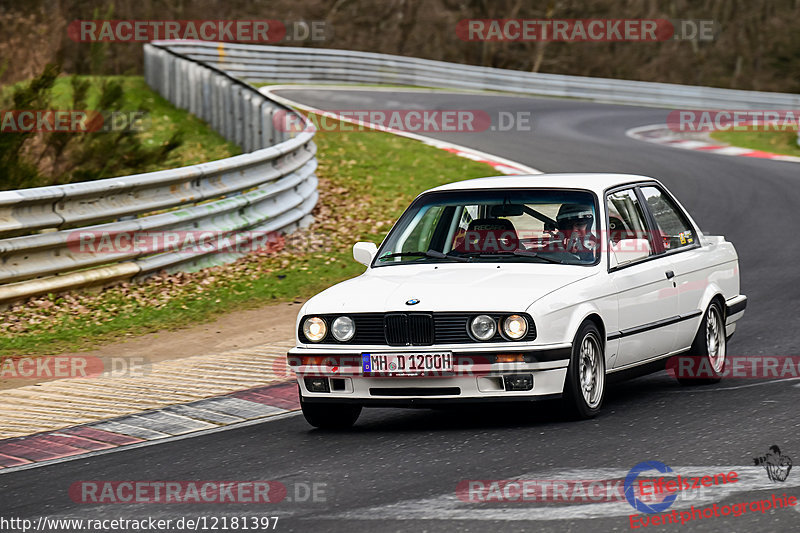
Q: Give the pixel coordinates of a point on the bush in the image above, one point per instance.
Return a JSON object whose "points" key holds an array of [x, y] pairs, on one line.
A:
{"points": [[32, 159]]}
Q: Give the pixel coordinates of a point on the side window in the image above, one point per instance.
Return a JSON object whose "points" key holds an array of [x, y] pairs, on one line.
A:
{"points": [[673, 227], [420, 238], [458, 233], [418, 235], [626, 219]]}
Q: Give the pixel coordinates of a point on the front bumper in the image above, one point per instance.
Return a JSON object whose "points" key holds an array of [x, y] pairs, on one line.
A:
{"points": [[734, 310], [475, 377]]}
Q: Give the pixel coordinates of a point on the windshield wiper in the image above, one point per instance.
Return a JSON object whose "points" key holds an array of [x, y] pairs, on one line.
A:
{"points": [[520, 253], [430, 253], [525, 253]]}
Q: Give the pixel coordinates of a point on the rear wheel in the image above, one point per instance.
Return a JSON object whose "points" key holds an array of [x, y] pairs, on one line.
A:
{"points": [[586, 375], [709, 348], [330, 416]]}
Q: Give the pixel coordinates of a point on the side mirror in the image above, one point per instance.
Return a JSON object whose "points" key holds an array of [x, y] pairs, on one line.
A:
{"points": [[628, 251], [364, 252]]}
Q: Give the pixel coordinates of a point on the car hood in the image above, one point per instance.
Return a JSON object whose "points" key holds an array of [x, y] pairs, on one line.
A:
{"points": [[446, 287]]}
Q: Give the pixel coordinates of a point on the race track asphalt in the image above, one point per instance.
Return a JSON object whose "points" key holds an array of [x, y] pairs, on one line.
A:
{"points": [[398, 469]]}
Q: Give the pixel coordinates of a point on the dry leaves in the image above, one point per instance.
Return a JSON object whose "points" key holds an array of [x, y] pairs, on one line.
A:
{"points": [[340, 217]]}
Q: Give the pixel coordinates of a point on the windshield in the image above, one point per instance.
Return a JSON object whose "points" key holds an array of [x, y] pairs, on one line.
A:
{"points": [[498, 225]]}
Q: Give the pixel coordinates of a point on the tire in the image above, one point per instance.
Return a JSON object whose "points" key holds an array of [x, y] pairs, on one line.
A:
{"points": [[709, 348], [330, 416], [584, 389]]}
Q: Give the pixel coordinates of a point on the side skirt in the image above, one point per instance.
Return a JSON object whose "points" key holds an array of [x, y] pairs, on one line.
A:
{"points": [[642, 368]]}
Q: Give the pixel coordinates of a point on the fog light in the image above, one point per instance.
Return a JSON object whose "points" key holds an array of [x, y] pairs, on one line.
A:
{"points": [[517, 382], [510, 358], [317, 384]]}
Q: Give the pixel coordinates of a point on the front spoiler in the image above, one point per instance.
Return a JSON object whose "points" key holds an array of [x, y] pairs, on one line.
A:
{"points": [[427, 402]]}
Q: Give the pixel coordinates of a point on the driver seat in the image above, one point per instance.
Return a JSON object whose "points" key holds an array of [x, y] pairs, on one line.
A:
{"points": [[488, 235]]}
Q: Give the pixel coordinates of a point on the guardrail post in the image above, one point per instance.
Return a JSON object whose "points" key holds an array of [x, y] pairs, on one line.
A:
{"points": [[216, 103], [227, 110], [255, 122], [192, 76], [247, 130], [176, 89], [267, 124], [238, 119]]}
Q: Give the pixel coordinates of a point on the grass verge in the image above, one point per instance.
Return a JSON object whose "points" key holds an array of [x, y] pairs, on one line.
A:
{"points": [[162, 120], [366, 180], [157, 124], [777, 142]]}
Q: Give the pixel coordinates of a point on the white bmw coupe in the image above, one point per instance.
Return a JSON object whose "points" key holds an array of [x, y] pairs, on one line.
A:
{"points": [[518, 288]]}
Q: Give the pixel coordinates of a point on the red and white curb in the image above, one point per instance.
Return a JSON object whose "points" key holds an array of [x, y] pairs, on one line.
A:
{"points": [[501, 164], [661, 134], [166, 423]]}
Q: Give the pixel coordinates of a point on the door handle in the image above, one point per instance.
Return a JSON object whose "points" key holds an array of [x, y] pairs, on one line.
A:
{"points": [[670, 274]]}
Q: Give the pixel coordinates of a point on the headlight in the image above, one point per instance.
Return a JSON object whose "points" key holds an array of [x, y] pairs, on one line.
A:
{"points": [[315, 329], [343, 328], [515, 327], [483, 327]]}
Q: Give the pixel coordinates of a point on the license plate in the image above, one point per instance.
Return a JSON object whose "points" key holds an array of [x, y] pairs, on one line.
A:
{"points": [[406, 364]]}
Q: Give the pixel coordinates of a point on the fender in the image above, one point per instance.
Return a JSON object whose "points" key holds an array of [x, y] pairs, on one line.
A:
{"points": [[581, 313], [711, 291], [559, 314]]}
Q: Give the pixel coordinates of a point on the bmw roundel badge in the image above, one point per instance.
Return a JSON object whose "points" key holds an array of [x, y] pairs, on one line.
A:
{"points": [[412, 301]]}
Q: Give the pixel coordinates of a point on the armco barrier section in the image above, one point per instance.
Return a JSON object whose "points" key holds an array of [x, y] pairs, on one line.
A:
{"points": [[275, 64], [276, 179], [281, 64], [272, 188]]}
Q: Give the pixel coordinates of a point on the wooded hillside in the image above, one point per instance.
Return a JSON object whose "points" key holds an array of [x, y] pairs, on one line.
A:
{"points": [[758, 45]]}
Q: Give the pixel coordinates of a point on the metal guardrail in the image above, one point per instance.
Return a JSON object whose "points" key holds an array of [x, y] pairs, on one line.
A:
{"points": [[277, 178], [298, 65], [271, 189], [281, 64]]}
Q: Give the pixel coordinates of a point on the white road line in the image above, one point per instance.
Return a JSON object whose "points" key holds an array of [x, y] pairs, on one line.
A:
{"points": [[737, 387], [424, 90], [502, 164], [449, 507]]}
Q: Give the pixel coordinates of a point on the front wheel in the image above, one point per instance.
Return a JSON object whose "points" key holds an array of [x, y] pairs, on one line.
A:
{"points": [[330, 416], [708, 349], [586, 375]]}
